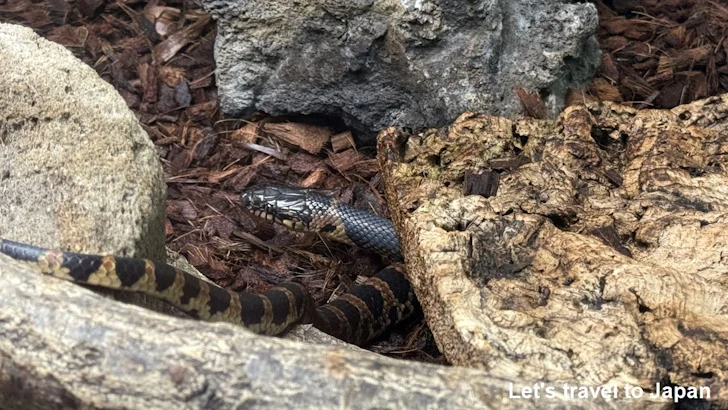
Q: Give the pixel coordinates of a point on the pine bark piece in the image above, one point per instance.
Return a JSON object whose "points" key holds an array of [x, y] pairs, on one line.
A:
{"points": [[485, 184], [345, 160], [532, 103], [310, 138], [342, 141]]}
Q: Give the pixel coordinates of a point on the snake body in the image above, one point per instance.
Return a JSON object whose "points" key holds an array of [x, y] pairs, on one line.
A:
{"points": [[357, 317]]}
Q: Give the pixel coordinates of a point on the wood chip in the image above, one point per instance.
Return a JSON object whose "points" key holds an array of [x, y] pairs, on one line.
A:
{"points": [[342, 141], [637, 84], [168, 227], [69, 36], [181, 210], [310, 138], [303, 163], [168, 48], [616, 25], [685, 59], [608, 235], [90, 7], [171, 76], [485, 184], [367, 168], [166, 141], [202, 110], [247, 134], [206, 146], [315, 178], [615, 43], [638, 30], [266, 150], [509, 163], [180, 158], [671, 95], [676, 36], [241, 179], [532, 102], [604, 90], [216, 177], [609, 68], [148, 76], [344, 161], [575, 97], [163, 19], [219, 226]]}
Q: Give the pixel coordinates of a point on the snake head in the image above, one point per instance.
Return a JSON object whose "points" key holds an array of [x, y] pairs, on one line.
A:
{"points": [[309, 210], [288, 206]]}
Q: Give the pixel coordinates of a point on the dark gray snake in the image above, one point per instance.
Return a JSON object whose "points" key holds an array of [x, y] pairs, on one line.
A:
{"points": [[369, 310]]}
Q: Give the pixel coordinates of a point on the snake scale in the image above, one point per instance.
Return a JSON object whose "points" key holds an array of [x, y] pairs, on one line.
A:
{"points": [[369, 310]]}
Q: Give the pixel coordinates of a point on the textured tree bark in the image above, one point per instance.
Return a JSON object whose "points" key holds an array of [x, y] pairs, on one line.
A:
{"points": [[602, 257]]}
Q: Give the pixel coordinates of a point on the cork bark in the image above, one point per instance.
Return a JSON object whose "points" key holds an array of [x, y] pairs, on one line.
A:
{"points": [[591, 249]]}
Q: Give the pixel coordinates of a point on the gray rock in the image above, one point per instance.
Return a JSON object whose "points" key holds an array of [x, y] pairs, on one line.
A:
{"points": [[405, 63]]}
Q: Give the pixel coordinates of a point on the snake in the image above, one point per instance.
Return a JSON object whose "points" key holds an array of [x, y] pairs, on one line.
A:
{"points": [[366, 312]]}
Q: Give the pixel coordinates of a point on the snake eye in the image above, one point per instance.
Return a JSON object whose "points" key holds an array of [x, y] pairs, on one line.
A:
{"points": [[328, 228]]}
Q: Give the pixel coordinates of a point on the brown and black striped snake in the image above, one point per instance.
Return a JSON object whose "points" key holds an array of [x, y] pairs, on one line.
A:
{"points": [[369, 310]]}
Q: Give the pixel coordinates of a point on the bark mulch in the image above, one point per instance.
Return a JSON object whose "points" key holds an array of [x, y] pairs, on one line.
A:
{"points": [[662, 53], [159, 56]]}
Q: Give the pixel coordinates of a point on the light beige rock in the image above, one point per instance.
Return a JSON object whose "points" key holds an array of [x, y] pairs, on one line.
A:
{"points": [[77, 171]]}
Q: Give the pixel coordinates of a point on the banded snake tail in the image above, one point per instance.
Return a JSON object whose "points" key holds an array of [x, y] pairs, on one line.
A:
{"points": [[357, 317]]}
